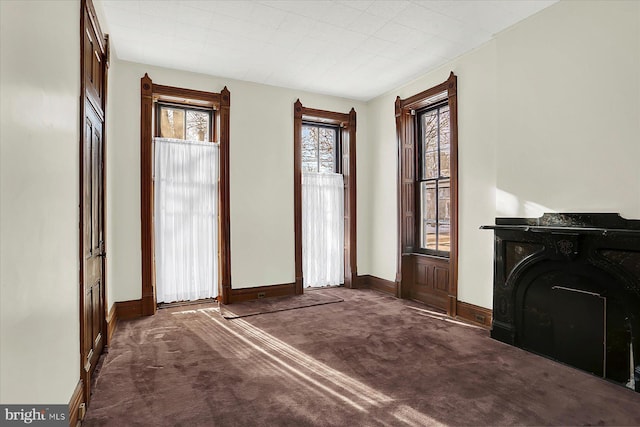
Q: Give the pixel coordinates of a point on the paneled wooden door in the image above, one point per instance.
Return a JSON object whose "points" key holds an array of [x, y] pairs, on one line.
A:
{"points": [[94, 59], [93, 334]]}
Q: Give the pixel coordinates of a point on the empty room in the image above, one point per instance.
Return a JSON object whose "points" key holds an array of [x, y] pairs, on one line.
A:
{"points": [[319, 213]]}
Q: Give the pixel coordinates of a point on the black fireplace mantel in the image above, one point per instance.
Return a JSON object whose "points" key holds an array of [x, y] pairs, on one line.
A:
{"points": [[596, 224], [567, 286]]}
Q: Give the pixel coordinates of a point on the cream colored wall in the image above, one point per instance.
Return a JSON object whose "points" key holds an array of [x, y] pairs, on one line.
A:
{"points": [[261, 151], [549, 120], [40, 86], [569, 83]]}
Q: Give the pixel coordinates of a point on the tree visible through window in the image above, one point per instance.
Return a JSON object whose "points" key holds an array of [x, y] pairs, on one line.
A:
{"points": [[434, 178], [184, 123], [319, 148]]}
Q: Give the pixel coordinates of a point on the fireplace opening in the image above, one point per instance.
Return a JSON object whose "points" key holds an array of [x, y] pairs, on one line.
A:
{"points": [[567, 287], [562, 314]]}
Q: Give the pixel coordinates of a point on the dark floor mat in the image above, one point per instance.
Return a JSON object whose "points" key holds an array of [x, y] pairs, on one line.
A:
{"points": [[271, 305]]}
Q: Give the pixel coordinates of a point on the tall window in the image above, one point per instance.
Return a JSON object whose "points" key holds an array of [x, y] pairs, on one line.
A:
{"points": [[325, 142], [186, 191], [434, 179], [178, 113], [427, 129], [320, 148]]}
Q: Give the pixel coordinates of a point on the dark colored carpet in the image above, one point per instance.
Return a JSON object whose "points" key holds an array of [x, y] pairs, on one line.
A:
{"points": [[309, 298], [371, 360]]}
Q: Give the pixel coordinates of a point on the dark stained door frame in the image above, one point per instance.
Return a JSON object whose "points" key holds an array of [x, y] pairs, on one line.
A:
{"points": [[220, 102], [347, 124], [94, 64]]}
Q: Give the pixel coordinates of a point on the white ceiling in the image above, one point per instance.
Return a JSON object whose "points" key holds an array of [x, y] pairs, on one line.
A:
{"points": [[356, 49]]}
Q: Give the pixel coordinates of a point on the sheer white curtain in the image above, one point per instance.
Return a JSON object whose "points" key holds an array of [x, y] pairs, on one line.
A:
{"points": [[186, 220], [322, 229]]}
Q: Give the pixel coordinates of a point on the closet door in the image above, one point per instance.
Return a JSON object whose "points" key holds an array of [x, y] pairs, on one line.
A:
{"points": [[93, 72], [93, 207]]}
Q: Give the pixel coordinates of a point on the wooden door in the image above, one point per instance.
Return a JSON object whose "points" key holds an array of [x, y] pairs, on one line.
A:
{"points": [[93, 334], [94, 60]]}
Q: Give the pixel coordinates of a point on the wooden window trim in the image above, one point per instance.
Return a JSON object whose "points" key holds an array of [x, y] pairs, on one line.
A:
{"points": [[347, 124], [407, 208], [150, 92]]}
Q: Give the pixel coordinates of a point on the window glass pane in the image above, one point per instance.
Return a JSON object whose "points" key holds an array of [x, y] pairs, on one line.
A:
{"points": [[430, 144], [309, 149], [445, 163], [327, 142], [428, 207], [318, 149], [198, 125], [444, 215], [326, 167], [171, 123]]}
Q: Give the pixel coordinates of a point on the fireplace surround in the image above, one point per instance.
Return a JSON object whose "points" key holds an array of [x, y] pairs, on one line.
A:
{"points": [[567, 287]]}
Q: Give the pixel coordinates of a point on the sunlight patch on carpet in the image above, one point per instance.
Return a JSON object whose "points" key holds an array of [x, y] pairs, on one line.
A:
{"points": [[440, 316], [413, 418], [326, 378], [276, 359], [269, 345]]}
